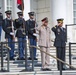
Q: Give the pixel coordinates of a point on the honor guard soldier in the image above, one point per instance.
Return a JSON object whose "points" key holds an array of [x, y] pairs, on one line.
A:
{"points": [[31, 25], [1, 20], [19, 25], [60, 42], [7, 27]]}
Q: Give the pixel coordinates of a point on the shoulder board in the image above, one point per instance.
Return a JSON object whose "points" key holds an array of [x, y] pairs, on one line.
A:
{"points": [[55, 27], [16, 20]]}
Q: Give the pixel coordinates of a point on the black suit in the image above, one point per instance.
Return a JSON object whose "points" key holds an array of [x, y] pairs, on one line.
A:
{"points": [[60, 39]]}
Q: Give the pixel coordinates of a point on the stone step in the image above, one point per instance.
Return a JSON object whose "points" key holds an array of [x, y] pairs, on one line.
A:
{"points": [[40, 73], [19, 65]]}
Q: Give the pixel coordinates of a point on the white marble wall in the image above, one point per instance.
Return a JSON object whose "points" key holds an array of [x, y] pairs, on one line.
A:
{"points": [[3, 4], [42, 9], [63, 9]]}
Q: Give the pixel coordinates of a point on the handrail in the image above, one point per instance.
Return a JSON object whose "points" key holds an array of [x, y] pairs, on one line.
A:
{"points": [[53, 56], [7, 47], [3, 70]]}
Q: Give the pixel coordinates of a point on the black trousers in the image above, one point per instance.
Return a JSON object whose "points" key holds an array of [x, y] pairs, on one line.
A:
{"points": [[60, 53]]}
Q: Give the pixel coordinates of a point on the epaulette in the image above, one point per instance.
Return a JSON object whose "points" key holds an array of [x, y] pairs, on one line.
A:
{"points": [[16, 20], [55, 27], [42, 26]]}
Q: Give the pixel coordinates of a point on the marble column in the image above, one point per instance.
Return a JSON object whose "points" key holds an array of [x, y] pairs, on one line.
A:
{"points": [[63, 9]]}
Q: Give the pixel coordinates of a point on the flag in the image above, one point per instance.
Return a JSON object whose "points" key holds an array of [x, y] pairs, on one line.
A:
{"points": [[20, 4]]}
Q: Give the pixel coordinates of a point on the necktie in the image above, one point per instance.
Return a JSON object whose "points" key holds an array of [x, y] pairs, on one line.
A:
{"points": [[62, 28]]}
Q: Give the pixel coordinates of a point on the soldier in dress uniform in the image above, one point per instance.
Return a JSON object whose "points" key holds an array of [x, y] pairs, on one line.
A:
{"points": [[19, 25], [7, 27], [60, 42], [44, 43], [1, 20], [31, 25]]}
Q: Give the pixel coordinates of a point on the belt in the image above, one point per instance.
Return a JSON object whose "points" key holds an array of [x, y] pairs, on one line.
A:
{"points": [[9, 27], [23, 30], [20, 29]]}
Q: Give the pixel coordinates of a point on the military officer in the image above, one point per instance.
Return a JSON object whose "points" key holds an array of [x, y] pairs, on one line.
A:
{"points": [[60, 41], [1, 20], [31, 25], [44, 43], [19, 25], [7, 27]]}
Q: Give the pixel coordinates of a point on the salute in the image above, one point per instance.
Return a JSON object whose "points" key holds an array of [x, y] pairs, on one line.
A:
{"points": [[60, 39]]}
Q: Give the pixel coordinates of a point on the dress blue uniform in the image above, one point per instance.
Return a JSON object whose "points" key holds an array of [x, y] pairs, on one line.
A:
{"points": [[60, 42], [1, 20], [7, 27], [19, 25], [31, 25]]}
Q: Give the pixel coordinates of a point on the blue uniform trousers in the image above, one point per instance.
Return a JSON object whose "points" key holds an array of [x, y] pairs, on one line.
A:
{"points": [[21, 45], [33, 42], [12, 46], [0, 31]]}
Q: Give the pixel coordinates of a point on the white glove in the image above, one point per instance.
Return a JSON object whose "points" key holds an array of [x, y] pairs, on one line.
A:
{"points": [[11, 33], [26, 37], [35, 34]]}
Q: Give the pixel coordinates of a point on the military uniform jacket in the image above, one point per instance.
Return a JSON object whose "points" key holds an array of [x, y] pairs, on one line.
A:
{"points": [[19, 25], [60, 36], [1, 19], [44, 36], [7, 27], [31, 25]]}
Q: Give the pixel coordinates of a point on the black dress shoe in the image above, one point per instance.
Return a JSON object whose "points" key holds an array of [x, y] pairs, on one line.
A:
{"points": [[64, 68], [35, 59], [21, 58], [43, 69], [18, 58], [11, 58], [48, 69], [29, 58]]}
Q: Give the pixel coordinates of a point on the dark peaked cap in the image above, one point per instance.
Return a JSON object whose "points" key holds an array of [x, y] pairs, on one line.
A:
{"points": [[0, 13], [8, 12], [31, 13], [20, 13], [60, 19]]}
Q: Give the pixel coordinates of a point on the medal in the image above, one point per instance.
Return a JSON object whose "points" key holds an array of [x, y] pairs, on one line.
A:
{"points": [[58, 30]]}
